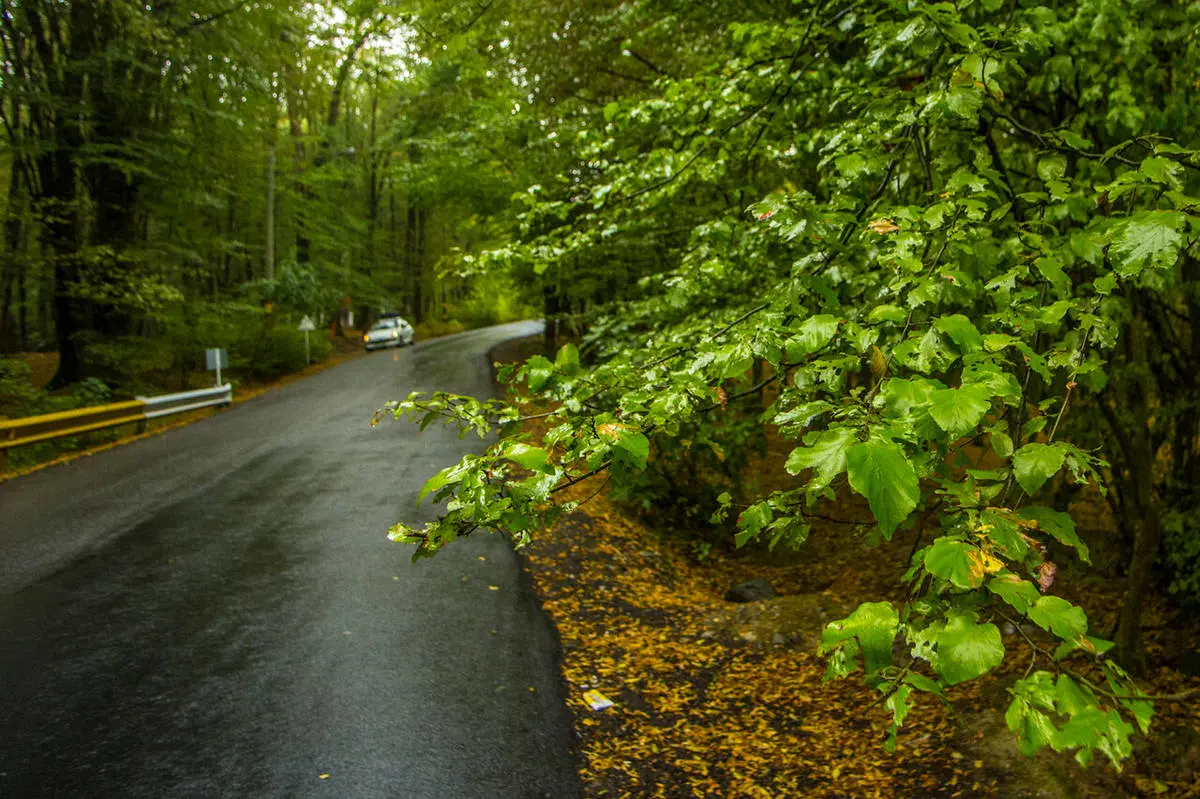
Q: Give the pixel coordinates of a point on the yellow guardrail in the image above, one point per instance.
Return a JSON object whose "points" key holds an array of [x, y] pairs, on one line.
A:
{"points": [[34, 429]]}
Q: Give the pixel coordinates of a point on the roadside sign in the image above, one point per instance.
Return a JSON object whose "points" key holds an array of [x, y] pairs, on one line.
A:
{"points": [[306, 325], [216, 359]]}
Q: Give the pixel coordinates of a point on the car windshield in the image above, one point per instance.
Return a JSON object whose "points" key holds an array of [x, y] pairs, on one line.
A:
{"points": [[384, 324]]}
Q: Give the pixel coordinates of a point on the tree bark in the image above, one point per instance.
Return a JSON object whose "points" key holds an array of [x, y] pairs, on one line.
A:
{"points": [[551, 308], [1128, 649], [414, 247], [269, 256]]}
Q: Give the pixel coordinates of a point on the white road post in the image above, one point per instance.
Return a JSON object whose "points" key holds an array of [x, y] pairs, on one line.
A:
{"points": [[306, 324]]}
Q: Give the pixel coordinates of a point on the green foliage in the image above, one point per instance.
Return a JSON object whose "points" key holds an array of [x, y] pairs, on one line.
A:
{"points": [[931, 225], [18, 397]]}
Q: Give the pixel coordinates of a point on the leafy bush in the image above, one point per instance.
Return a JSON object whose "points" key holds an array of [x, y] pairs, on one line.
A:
{"points": [[683, 482], [18, 396], [280, 350], [133, 364]]}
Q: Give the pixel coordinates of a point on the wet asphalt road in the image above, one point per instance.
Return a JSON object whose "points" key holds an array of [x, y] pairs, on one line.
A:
{"points": [[217, 611]]}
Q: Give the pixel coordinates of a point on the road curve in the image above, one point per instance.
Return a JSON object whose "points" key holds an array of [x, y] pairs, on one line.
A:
{"points": [[216, 611]]}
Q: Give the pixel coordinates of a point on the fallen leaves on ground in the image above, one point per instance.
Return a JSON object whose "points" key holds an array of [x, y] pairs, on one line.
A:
{"points": [[712, 698]]}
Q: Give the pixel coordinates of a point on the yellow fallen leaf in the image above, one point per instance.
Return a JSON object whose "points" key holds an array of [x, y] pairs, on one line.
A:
{"points": [[324, 777], [493, 588]]}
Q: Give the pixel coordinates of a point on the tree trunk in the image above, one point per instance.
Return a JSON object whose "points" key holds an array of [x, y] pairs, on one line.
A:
{"points": [[1143, 502], [269, 256], [414, 233], [551, 307]]}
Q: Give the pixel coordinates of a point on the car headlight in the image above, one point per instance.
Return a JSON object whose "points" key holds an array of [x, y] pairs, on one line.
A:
{"points": [[395, 334]]}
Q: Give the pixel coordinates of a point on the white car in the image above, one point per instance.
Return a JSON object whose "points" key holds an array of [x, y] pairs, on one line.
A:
{"points": [[393, 332]]}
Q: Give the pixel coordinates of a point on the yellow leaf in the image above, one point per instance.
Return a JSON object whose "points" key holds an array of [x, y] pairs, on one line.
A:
{"points": [[883, 226]]}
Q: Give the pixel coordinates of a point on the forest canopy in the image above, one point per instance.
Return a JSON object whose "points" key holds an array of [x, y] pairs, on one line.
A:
{"points": [[182, 175], [956, 238]]}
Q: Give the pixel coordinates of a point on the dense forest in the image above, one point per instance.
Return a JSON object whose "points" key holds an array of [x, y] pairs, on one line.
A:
{"points": [[945, 249], [182, 175]]}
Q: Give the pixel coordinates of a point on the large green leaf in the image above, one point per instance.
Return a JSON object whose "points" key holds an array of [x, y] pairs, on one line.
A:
{"points": [[1060, 617], [1021, 594], [752, 521], [959, 411], [965, 649], [635, 445], [947, 558], [1034, 464], [874, 626], [826, 456], [963, 565], [539, 370], [815, 333], [883, 474], [962, 332], [1147, 239], [527, 456]]}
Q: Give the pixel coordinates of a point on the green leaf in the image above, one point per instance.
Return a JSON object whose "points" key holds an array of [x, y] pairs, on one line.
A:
{"points": [[883, 474], [815, 333], [752, 521], [1057, 615], [1052, 168], [526, 456], [1021, 594], [636, 445], [964, 101], [1002, 443], [874, 626], [998, 526], [897, 702], [961, 331], [1147, 239], [927, 354], [887, 313], [955, 561], [1034, 464], [1071, 698], [539, 370], [1159, 169], [959, 411], [826, 456], [966, 650], [434, 483], [1033, 727], [1051, 268], [567, 360], [1058, 525], [923, 683]]}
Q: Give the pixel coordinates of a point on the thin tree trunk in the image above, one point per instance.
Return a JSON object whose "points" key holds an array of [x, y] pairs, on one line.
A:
{"points": [[414, 249], [551, 307], [1129, 651], [269, 256]]}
